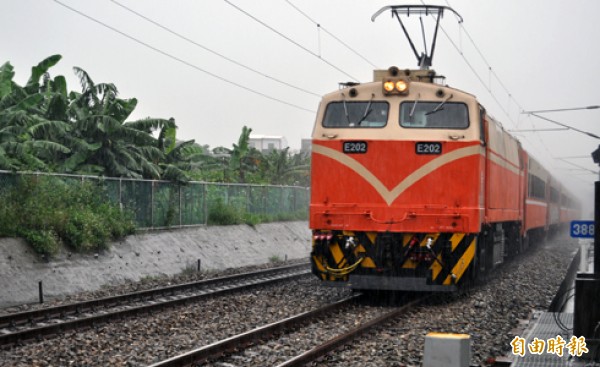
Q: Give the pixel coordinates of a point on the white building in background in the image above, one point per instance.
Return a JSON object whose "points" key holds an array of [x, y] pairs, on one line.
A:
{"points": [[306, 146], [266, 143]]}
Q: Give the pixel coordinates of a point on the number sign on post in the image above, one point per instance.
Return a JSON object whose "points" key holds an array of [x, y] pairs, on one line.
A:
{"points": [[582, 228]]}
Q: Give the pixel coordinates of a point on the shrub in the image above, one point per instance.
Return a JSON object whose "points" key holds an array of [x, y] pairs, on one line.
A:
{"points": [[221, 214], [44, 242], [49, 210], [86, 231], [9, 223], [120, 223]]}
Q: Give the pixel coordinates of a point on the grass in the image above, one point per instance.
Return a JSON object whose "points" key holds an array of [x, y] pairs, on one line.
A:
{"points": [[274, 259], [222, 214]]}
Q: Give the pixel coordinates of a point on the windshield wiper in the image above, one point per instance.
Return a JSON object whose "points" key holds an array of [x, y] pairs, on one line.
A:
{"points": [[412, 110], [368, 110], [346, 110], [439, 107]]}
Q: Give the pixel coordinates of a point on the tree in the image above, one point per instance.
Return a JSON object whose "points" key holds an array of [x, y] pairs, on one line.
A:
{"points": [[44, 127], [27, 124], [180, 156], [103, 142], [244, 159], [282, 168]]}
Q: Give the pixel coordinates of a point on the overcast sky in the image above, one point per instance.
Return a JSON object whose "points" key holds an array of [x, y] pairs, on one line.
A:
{"points": [[543, 55]]}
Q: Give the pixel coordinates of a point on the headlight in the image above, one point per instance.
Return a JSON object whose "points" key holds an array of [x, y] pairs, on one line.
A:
{"points": [[395, 86], [388, 86], [401, 86]]}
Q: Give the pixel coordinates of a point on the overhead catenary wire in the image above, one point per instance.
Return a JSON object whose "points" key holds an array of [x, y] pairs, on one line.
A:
{"points": [[564, 109], [511, 98], [462, 27], [320, 27], [458, 49], [488, 86], [164, 53], [566, 126], [578, 166], [272, 29], [189, 40]]}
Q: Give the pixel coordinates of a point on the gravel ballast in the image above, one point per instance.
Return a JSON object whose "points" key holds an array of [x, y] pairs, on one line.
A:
{"points": [[488, 313]]}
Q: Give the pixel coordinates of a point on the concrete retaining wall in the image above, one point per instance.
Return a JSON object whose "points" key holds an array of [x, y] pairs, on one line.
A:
{"points": [[154, 253]]}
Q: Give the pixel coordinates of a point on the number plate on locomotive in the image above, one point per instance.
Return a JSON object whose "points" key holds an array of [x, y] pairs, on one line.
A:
{"points": [[355, 147], [428, 148]]}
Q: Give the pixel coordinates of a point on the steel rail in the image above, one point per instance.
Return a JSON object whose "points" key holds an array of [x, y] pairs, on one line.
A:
{"points": [[73, 316], [332, 344], [27, 317], [233, 343], [237, 342]]}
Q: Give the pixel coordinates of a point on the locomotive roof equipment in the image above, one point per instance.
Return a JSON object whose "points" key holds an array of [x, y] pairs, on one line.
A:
{"points": [[425, 58]]}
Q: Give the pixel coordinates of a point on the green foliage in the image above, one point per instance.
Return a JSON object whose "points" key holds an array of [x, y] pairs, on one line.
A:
{"points": [[274, 259], [43, 241], [221, 214], [120, 223], [49, 210], [190, 269], [45, 127], [86, 231]]}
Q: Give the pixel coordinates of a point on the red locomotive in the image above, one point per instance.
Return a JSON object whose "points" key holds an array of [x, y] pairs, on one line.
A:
{"points": [[415, 187]]}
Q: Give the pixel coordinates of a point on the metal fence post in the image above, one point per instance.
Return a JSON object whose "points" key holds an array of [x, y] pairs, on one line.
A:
{"points": [[264, 199], [248, 198], [295, 199], [205, 204], [151, 204], [180, 206], [227, 195], [121, 194]]}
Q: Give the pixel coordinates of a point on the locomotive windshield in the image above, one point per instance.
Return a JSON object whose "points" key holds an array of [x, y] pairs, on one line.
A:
{"points": [[356, 114], [434, 115]]}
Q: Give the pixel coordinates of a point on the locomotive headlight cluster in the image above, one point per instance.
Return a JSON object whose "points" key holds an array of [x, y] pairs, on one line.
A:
{"points": [[395, 86]]}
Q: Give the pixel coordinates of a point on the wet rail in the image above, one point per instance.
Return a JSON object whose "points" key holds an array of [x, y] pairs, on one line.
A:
{"points": [[36, 324], [238, 343]]}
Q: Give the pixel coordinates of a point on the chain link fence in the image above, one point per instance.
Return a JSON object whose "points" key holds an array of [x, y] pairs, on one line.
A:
{"points": [[161, 204]]}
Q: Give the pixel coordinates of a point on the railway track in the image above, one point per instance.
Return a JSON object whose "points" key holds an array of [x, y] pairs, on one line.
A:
{"points": [[238, 345], [17, 328]]}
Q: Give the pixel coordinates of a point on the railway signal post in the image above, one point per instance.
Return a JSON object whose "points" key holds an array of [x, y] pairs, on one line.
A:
{"points": [[587, 285]]}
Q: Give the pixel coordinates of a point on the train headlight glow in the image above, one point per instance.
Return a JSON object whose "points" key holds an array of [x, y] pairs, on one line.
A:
{"points": [[395, 86], [388, 86], [401, 86]]}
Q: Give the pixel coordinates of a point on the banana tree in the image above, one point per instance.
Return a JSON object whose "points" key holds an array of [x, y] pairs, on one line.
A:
{"points": [[244, 159], [26, 126], [105, 143]]}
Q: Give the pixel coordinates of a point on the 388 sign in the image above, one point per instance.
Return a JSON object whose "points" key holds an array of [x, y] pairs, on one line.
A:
{"points": [[582, 228]]}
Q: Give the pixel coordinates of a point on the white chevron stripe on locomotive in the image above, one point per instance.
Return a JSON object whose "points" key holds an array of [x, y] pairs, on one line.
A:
{"points": [[390, 195]]}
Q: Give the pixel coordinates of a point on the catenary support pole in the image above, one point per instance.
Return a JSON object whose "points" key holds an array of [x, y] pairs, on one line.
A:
{"points": [[596, 234]]}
